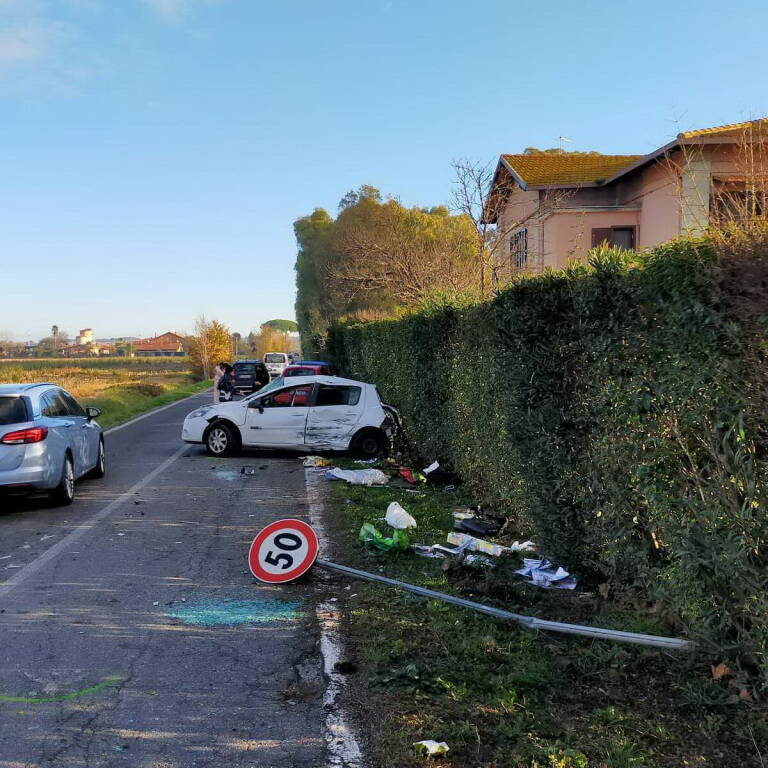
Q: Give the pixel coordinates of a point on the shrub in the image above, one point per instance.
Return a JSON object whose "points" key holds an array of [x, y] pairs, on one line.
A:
{"points": [[615, 410]]}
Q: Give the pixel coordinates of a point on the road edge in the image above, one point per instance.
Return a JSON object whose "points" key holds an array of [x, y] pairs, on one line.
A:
{"points": [[342, 743]]}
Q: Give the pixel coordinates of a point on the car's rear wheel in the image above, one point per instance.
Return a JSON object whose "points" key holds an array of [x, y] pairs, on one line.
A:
{"points": [[369, 443], [101, 463], [220, 440], [64, 493]]}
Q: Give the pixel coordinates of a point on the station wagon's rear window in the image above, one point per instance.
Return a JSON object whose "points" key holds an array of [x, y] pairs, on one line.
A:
{"points": [[244, 367], [274, 358], [12, 410]]}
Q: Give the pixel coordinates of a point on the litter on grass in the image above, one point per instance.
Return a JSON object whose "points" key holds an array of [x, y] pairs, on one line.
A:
{"points": [[372, 538], [316, 461], [544, 574], [357, 476], [431, 468], [466, 541], [429, 747], [398, 518]]}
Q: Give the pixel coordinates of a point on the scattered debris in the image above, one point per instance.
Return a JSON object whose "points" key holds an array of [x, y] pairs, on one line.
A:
{"points": [[316, 461], [428, 747], [364, 462], [542, 573], [371, 537], [462, 514], [358, 476], [425, 550], [398, 518], [248, 471], [477, 527], [431, 468], [466, 541], [478, 561]]}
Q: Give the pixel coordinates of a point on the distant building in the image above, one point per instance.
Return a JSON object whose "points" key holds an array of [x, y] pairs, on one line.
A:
{"points": [[84, 337], [168, 344]]}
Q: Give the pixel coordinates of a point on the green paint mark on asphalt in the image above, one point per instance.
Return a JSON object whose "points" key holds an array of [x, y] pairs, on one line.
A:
{"points": [[108, 683]]}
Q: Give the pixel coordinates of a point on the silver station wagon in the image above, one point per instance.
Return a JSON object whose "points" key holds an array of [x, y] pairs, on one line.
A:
{"points": [[47, 441]]}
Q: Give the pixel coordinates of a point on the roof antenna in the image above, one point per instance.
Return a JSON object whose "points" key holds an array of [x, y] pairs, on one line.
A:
{"points": [[562, 139]]}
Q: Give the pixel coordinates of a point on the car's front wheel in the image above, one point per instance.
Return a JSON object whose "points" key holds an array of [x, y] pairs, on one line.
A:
{"points": [[220, 440], [64, 493], [101, 463]]}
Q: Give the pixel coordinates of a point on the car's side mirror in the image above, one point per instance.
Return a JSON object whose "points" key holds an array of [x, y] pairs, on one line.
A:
{"points": [[257, 404], [92, 412]]}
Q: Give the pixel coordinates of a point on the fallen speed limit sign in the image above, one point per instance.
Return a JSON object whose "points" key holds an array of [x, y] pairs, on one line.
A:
{"points": [[283, 551]]}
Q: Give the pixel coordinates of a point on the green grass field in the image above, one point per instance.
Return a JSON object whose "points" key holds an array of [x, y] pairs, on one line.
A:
{"points": [[121, 387]]}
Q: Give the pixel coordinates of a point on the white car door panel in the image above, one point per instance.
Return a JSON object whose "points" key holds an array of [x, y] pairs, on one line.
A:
{"points": [[332, 420], [280, 421]]}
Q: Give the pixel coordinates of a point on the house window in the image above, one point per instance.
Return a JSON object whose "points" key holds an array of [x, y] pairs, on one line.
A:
{"points": [[735, 199], [614, 237], [518, 249]]}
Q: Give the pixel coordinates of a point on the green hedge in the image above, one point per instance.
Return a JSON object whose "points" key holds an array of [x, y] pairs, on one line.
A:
{"points": [[616, 412]]}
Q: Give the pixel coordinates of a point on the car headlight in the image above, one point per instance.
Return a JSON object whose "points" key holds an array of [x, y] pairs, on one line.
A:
{"points": [[199, 412]]}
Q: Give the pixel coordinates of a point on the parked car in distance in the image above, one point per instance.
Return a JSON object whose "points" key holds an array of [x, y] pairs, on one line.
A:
{"points": [[47, 441], [308, 368], [304, 413], [249, 376], [275, 362]]}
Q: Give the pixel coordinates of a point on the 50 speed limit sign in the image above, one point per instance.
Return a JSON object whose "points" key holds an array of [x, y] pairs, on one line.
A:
{"points": [[283, 551]]}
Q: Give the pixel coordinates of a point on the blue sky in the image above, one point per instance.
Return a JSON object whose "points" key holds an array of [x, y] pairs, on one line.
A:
{"points": [[155, 153]]}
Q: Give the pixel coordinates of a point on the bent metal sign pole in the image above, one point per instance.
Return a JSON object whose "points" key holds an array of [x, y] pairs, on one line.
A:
{"points": [[286, 549]]}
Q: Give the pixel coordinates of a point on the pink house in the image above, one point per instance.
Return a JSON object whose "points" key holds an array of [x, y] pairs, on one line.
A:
{"points": [[552, 208]]}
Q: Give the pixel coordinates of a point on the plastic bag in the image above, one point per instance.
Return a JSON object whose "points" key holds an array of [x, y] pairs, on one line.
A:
{"points": [[358, 476], [372, 538], [398, 518]]}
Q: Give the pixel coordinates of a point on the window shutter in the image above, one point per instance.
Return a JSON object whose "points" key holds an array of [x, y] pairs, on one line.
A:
{"points": [[601, 235]]}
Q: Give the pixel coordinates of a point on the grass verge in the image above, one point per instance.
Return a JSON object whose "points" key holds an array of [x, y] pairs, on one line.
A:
{"points": [[500, 695], [123, 402]]}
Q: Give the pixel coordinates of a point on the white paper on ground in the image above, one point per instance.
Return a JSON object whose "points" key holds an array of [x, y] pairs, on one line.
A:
{"points": [[431, 468], [542, 573], [431, 747]]}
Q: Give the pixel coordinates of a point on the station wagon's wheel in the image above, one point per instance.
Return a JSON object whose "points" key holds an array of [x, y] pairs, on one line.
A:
{"points": [[220, 440], [64, 493], [368, 443], [101, 462]]}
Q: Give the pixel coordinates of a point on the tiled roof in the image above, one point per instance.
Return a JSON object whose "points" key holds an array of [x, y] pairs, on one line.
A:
{"points": [[167, 340], [759, 123], [542, 170]]}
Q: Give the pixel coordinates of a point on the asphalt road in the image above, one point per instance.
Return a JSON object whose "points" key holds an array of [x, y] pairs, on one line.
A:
{"points": [[132, 633]]}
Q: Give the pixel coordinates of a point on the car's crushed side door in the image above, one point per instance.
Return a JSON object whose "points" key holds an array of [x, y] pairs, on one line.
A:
{"points": [[334, 416]]}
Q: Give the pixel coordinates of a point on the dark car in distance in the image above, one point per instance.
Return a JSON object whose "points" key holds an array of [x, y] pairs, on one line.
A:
{"points": [[249, 376]]}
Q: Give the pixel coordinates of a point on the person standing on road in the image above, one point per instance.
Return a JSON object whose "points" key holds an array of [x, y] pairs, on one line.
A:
{"points": [[218, 375], [226, 384]]}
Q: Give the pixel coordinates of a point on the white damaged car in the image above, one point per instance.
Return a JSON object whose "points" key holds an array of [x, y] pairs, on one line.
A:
{"points": [[302, 413]]}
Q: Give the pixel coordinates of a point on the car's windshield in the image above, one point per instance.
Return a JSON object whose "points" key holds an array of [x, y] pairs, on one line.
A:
{"points": [[274, 384], [274, 357], [244, 367], [12, 410]]}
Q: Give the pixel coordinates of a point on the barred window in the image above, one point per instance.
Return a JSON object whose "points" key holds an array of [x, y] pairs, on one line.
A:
{"points": [[518, 249]]}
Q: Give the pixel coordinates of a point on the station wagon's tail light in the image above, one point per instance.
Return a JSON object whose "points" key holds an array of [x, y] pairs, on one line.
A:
{"points": [[23, 436]]}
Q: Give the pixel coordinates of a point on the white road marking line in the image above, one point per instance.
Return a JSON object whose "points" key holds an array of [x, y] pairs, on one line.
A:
{"points": [[152, 412], [32, 568], [343, 748]]}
